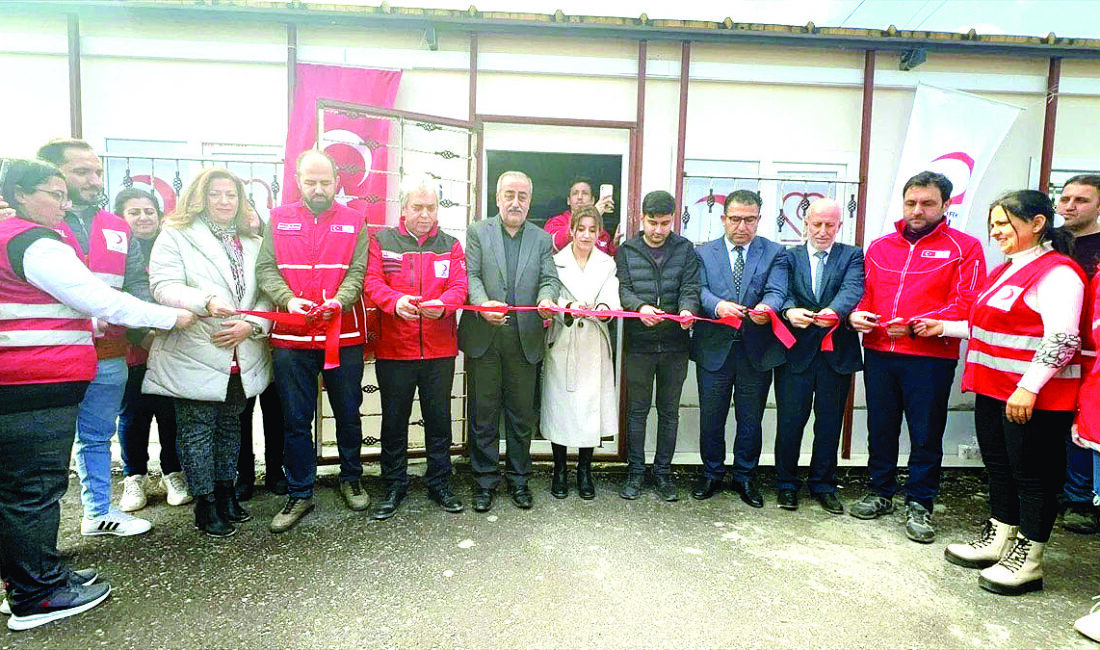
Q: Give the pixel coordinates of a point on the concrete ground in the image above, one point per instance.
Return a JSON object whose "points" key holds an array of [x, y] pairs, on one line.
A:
{"points": [[566, 574]]}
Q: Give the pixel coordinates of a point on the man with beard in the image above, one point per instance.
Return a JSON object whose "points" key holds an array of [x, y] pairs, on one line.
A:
{"points": [[315, 255], [112, 255]]}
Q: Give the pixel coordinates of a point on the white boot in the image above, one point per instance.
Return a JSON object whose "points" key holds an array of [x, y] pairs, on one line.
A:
{"points": [[133, 493], [989, 547], [1018, 572], [1089, 624]]}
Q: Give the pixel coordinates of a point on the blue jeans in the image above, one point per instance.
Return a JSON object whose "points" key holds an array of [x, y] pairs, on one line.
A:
{"points": [[917, 388], [296, 378], [95, 426], [1079, 475]]}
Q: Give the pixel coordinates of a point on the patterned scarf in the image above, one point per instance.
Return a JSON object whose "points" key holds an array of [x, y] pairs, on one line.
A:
{"points": [[232, 245]]}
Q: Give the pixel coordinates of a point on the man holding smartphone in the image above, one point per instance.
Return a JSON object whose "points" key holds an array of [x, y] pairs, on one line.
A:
{"points": [[580, 195], [926, 269]]}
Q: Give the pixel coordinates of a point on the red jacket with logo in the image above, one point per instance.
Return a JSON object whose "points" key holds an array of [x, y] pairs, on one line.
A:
{"points": [[108, 246], [937, 277], [42, 341], [432, 267], [1005, 334], [313, 253], [558, 227]]}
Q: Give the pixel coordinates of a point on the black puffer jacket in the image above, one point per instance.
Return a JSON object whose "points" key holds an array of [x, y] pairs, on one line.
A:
{"points": [[673, 287]]}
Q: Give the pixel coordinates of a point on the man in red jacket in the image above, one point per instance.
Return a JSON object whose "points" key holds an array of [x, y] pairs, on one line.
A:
{"points": [[413, 270], [580, 195], [926, 269], [314, 255]]}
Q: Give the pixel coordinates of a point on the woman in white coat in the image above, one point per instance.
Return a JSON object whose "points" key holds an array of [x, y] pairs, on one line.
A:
{"points": [[579, 401], [204, 261]]}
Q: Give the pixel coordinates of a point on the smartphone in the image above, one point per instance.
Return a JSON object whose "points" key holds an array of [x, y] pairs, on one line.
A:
{"points": [[3, 173], [606, 189]]}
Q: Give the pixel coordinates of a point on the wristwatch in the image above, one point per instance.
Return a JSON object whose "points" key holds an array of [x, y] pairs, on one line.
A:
{"points": [[257, 330]]}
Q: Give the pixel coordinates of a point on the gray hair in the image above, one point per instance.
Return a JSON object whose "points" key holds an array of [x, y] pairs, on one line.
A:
{"points": [[418, 183], [500, 179]]}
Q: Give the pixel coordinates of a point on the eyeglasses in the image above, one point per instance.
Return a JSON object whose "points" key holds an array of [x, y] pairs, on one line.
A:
{"points": [[59, 196], [742, 220]]}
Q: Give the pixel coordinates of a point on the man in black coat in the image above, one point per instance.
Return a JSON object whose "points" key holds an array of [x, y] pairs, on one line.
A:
{"points": [[825, 284], [739, 271], [658, 273]]}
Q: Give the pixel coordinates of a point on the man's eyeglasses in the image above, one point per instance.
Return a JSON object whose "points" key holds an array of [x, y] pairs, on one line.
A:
{"points": [[742, 220]]}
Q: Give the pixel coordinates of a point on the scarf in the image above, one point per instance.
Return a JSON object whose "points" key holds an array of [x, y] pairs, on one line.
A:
{"points": [[232, 245]]}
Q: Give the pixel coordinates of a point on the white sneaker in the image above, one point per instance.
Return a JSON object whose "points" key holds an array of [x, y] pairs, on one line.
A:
{"points": [[115, 522], [176, 486], [133, 493], [1089, 624]]}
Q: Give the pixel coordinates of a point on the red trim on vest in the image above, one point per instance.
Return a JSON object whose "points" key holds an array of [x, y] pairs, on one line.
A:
{"points": [[313, 253], [1004, 334], [44, 363]]}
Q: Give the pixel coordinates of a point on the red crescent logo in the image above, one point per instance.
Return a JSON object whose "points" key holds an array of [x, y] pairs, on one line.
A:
{"points": [[965, 159], [161, 187]]}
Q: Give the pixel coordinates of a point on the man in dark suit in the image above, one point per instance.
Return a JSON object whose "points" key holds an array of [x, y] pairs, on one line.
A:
{"points": [[739, 271], [508, 262], [825, 282]]}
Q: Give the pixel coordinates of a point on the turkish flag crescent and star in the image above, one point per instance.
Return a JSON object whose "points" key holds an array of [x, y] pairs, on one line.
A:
{"points": [[352, 142]]}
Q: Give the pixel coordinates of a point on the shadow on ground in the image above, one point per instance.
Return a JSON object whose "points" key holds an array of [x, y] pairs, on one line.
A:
{"points": [[566, 574]]}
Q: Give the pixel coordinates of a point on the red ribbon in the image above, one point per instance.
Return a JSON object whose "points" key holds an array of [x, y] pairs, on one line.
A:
{"points": [[827, 342], [316, 321], [733, 321], [778, 328]]}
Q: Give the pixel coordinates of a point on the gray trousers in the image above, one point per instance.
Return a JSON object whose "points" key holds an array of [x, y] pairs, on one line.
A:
{"points": [[208, 438]]}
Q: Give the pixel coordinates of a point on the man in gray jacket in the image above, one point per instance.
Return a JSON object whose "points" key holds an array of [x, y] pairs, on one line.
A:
{"points": [[508, 262]]}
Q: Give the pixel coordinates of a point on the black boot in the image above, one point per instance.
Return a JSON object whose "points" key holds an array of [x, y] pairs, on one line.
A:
{"points": [[207, 518], [244, 489], [585, 488], [559, 483], [229, 508]]}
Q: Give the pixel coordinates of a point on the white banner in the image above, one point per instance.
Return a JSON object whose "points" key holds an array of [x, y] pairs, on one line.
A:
{"points": [[955, 134]]}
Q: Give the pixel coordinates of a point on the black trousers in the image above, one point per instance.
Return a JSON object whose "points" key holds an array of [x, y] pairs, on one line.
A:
{"points": [[1026, 465], [825, 391], [272, 410], [642, 371], [502, 377], [399, 381], [34, 474]]}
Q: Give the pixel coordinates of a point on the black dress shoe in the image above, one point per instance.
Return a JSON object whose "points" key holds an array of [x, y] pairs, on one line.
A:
{"points": [[559, 483], [706, 487], [787, 499], [521, 496], [389, 504], [446, 499], [750, 494], [483, 499], [829, 502]]}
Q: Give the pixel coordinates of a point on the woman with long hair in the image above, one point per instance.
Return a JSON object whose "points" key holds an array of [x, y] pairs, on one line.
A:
{"points": [[142, 211], [1022, 364], [204, 261], [47, 361], [579, 402]]}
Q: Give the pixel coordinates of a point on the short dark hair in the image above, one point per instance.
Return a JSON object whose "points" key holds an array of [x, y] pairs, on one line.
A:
{"points": [[658, 202], [26, 176], [54, 150], [930, 179], [1026, 205], [581, 179], [131, 193], [1085, 179], [743, 197]]}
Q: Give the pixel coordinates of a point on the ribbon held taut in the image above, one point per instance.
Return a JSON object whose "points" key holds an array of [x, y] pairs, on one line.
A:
{"points": [[730, 321], [318, 321]]}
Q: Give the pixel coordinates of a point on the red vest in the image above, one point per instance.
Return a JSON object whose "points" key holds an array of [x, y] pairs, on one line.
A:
{"points": [[41, 340], [1005, 334], [108, 246], [313, 253]]}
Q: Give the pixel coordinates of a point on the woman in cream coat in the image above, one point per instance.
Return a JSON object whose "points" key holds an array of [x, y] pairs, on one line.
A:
{"points": [[204, 261], [579, 401]]}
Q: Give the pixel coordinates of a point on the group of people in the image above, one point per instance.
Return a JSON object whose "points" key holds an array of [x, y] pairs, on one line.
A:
{"points": [[192, 318]]}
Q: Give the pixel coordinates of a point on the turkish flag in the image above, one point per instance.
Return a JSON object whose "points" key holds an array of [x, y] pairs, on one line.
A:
{"points": [[360, 146]]}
